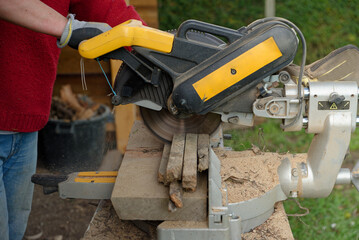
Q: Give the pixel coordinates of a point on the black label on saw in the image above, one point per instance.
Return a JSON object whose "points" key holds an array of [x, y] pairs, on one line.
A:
{"points": [[325, 105]]}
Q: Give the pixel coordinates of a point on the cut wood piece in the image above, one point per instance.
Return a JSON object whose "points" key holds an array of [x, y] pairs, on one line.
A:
{"points": [[161, 177], [69, 97], [171, 206], [175, 161], [176, 194], [189, 175], [203, 152]]}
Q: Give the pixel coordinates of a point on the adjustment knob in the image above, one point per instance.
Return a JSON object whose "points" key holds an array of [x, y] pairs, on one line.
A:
{"points": [[336, 98]]}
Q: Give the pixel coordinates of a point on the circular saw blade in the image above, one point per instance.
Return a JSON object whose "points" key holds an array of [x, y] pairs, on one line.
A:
{"points": [[164, 125]]}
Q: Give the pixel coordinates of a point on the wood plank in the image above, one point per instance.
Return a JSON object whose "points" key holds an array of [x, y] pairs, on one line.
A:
{"points": [[144, 3], [125, 116], [189, 175], [163, 165], [203, 152], [175, 161], [137, 195]]}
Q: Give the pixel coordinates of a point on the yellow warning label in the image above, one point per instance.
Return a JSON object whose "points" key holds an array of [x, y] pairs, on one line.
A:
{"points": [[333, 107], [247, 63]]}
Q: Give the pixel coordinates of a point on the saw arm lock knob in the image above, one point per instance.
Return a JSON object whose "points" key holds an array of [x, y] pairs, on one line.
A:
{"points": [[336, 98]]}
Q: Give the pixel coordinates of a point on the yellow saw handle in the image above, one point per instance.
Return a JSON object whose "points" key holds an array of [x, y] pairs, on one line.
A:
{"points": [[130, 33]]}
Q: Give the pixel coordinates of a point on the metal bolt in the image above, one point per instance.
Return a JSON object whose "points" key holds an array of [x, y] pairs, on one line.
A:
{"points": [[183, 102], [116, 100], [233, 119], [294, 194], [355, 173], [233, 71], [274, 108], [295, 172], [284, 77]]}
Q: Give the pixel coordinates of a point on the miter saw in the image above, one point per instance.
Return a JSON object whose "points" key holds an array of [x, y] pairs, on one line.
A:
{"points": [[192, 79], [189, 80]]}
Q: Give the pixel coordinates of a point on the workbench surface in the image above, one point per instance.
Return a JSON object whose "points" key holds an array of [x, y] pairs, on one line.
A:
{"points": [[105, 225]]}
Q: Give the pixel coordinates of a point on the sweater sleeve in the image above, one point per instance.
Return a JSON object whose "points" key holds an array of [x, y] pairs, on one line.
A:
{"points": [[112, 12]]}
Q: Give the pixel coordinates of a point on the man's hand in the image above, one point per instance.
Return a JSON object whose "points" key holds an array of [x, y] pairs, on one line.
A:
{"points": [[77, 31]]}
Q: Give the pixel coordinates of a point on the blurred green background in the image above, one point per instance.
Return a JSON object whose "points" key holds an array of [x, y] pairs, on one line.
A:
{"points": [[326, 25]]}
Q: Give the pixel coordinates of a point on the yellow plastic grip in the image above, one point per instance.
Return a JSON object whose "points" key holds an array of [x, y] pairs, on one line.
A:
{"points": [[130, 33]]}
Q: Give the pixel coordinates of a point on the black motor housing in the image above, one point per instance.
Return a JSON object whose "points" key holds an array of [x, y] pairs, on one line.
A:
{"points": [[241, 65]]}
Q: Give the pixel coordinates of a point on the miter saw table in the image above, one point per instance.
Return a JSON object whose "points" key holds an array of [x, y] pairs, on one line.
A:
{"points": [[136, 190]]}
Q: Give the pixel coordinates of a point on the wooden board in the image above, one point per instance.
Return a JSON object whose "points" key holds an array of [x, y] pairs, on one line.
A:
{"points": [[163, 165], [137, 195], [189, 175], [147, 9], [175, 161]]}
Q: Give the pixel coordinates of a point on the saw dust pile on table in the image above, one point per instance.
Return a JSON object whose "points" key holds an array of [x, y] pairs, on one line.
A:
{"points": [[250, 174]]}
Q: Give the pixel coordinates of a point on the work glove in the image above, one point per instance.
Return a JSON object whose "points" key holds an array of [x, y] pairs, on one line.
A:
{"points": [[77, 31]]}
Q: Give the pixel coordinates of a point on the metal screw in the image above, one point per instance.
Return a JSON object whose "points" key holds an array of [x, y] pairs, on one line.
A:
{"points": [[355, 173], [294, 194], [274, 108], [233, 71], [284, 77], [116, 100], [183, 102], [233, 119], [295, 172]]}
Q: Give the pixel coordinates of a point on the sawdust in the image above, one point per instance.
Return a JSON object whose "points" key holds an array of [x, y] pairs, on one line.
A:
{"points": [[107, 226], [250, 174]]}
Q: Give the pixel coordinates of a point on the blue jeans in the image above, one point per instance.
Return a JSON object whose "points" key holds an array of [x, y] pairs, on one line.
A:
{"points": [[18, 156]]}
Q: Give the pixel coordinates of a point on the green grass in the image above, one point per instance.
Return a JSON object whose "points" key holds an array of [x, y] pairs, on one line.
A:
{"points": [[326, 24], [268, 136], [334, 217]]}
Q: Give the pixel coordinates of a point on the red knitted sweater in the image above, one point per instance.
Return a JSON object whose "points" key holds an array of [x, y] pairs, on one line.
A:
{"points": [[28, 62]]}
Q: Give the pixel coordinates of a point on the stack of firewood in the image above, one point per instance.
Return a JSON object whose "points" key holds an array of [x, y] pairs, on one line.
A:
{"points": [[181, 161], [71, 107]]}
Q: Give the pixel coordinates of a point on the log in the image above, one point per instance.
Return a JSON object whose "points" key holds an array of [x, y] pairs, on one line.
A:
{"points": [[175, 161], [189, 175], [203, 152]]}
